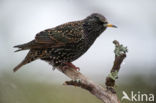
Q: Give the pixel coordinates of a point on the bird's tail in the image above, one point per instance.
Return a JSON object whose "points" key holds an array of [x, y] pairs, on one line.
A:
{"points": [[29, 58], [20, 65], [25, 46]]}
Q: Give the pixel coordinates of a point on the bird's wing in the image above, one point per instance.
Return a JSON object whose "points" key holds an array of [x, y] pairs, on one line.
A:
{"points": [[61, 35]]}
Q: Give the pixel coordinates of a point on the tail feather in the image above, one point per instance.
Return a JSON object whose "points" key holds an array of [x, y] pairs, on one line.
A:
{"points": [[24, 46], [19, 49], [29, 58], [19, 65]]}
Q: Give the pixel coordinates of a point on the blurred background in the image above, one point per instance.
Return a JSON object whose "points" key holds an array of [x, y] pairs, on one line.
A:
{"points": [[36, 82]]}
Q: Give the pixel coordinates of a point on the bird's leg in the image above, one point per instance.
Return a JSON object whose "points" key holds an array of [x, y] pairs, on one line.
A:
{"points": [[73, 66]]}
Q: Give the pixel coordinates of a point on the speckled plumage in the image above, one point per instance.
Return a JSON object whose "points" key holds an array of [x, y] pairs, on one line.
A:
{"points": [[64, 43]]}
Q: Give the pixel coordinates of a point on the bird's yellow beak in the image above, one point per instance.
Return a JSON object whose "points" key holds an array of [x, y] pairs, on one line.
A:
{"points": [[111, 25]]}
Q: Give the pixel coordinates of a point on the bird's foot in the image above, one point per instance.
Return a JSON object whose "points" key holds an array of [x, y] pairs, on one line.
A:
{"points": [[64, 68], [68, 64]]}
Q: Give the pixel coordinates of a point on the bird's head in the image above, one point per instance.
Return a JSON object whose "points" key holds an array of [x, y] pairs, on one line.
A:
{"points": [[99, 19], [94, 25]]}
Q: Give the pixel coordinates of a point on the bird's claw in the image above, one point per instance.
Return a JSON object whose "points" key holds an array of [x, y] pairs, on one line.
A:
{"points": [[73, 66]]}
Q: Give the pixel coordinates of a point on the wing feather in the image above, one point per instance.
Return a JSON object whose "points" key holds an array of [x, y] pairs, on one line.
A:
{"points": [[61, 35]]}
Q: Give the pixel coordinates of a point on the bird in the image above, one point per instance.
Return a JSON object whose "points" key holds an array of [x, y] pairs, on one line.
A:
{"points": [[63, 44]]}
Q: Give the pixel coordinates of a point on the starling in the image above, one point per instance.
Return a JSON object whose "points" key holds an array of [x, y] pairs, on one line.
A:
{"points": [[65, 43]]}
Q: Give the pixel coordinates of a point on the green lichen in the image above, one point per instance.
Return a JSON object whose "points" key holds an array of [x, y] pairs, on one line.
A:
{"points": [[113, 75], [120, 49]]}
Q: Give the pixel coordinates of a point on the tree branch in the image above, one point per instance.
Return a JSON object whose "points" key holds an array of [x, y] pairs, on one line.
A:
{"points": [[120, 54], [108, 94]]}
